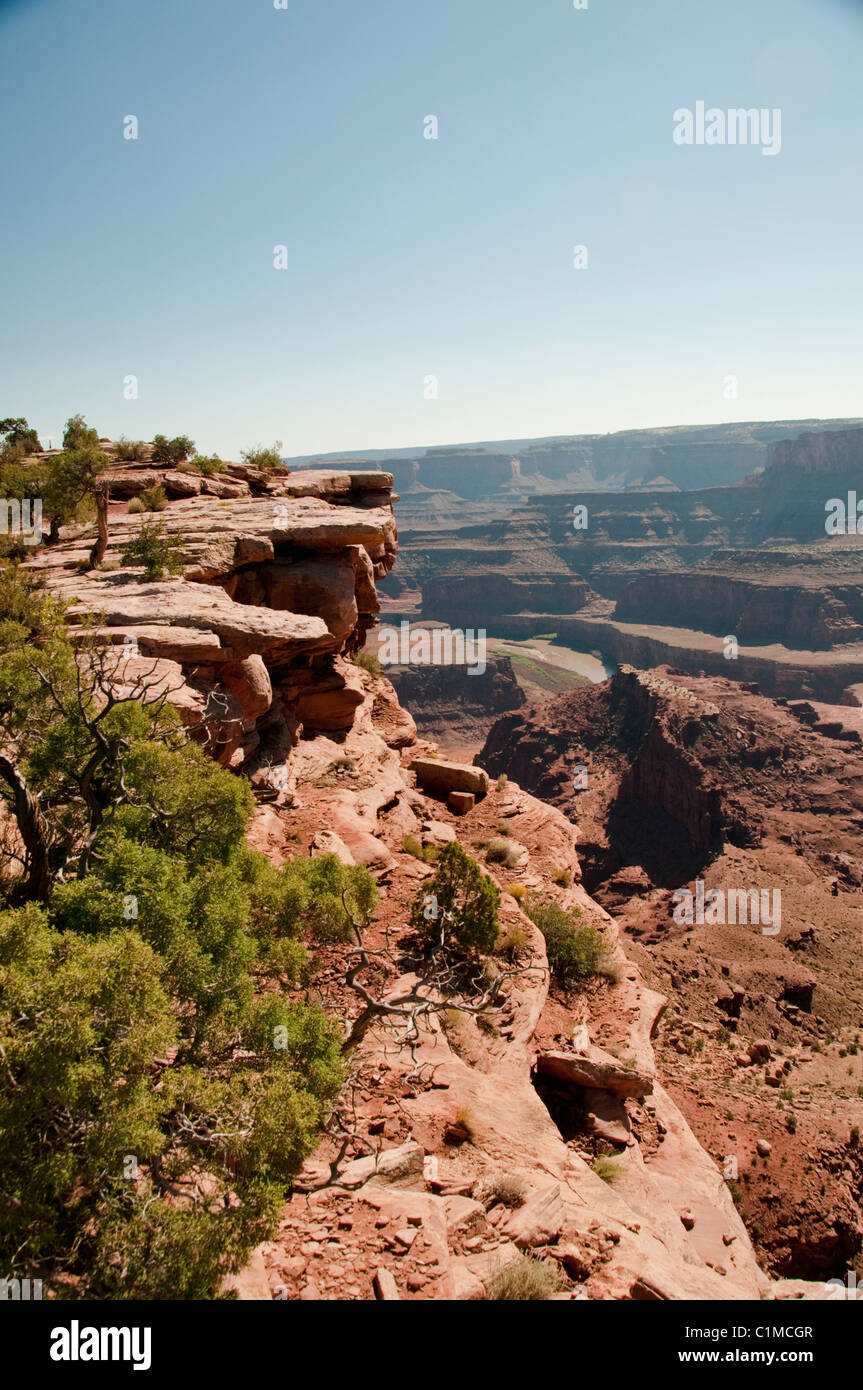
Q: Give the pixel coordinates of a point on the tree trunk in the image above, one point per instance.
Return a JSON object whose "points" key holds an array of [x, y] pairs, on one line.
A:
{"points": [[97, 554], [33, 830]]}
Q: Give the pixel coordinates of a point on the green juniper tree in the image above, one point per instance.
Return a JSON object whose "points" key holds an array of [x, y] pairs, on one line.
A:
{"points": [[161, 1079]]}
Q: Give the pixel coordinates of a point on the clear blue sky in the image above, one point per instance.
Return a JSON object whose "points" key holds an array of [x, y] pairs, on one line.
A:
{"points": [[411, 257]]}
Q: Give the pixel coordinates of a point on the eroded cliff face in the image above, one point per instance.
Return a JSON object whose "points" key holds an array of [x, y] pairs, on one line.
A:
{"points": [[251, 637], [809, 617], [453, 706], [413, 1210], [655, 576], [694, 779], [275, 594]]}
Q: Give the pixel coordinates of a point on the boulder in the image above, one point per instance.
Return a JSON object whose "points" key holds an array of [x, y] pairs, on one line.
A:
{"points": [[539, 1220], [436, 832], [130, 482], [249, 683], [462, 1285], [386, 1289], [606, 1117], [327, 842], [440, 777], [399, 1166], [179, 484], [223, 487]]}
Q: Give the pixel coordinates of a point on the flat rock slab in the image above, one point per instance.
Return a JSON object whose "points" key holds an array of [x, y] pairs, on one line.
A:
{"points": [[599, 1075], [158, 612], [218, 535]]}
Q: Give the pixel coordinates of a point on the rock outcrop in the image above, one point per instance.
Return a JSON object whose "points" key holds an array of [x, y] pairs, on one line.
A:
{"points": [[444, 1126], [272, 593], [704, 781]]}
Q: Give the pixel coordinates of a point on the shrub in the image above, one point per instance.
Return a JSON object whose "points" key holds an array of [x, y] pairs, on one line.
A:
{"points": [[499, 851], [368, 661], [563, 878], [66, 482], [206, 465], [513, 943], [503, 1187], [464, 1118], [529, 1279], [575, 952], [79, 435], [606, 1168], [19, 435], [429, 854], [467, 899], [501, 781], [337, 771], [136, 506], [155, 550], [262, 457], [175, 450], [518, 891], [154, 499], [130, 450], [109, 997], [160, 1084]]}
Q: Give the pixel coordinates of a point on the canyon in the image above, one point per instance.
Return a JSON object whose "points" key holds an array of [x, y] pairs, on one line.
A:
{"points": [[706, 781], [664, 577], [499, 472], [579, 1101]]}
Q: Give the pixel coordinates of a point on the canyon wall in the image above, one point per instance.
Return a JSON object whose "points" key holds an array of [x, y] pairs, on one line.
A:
{"points": [[655, 577], [688, 779]]}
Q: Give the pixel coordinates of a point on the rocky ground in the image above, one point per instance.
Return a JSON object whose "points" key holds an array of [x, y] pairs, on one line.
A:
{"points": [[464, 1116]]}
